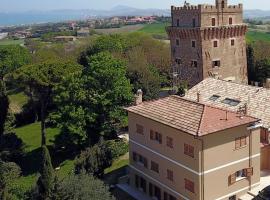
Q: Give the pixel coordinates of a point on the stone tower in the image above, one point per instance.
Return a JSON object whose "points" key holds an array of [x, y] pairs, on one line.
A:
{"points": [[208, 40]]}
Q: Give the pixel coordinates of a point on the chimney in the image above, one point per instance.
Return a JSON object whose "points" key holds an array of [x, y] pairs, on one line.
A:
{"points": [[198, 96], [139, 97], [267, 83]]}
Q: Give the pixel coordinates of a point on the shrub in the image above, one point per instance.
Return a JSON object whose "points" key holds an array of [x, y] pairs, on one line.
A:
{"points": [[94, 160], [117, 147]]}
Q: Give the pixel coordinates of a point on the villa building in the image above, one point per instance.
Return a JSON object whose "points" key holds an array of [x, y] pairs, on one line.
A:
{"points": [[184, 149]]}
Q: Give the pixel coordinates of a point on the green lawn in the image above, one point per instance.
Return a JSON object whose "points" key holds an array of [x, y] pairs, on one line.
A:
{"points": [[156, 29], [11, 42], [17, 101], [256, 35], [31, 136]]}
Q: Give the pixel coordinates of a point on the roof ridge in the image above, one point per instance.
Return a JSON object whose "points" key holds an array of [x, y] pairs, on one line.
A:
{"points": [[188, 100], [231, 82]]}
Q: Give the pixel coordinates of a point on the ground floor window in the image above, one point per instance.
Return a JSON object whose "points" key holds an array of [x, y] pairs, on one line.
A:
{"points": [[232, 197], [168, 196], [140, 183]]}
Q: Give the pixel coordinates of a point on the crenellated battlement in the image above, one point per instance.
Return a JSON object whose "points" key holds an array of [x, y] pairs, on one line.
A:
{"points": [[208, 33], [209, 8]]}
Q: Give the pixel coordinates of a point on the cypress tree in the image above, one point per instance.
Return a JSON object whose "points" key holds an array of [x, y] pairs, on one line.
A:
{"points": [[45, 183], [4, 105]]}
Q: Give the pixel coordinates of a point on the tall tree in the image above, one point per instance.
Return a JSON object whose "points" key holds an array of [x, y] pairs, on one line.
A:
{"points": [[39, 81], [251, 63], [4, 105], [45, 183], [90, 103]]}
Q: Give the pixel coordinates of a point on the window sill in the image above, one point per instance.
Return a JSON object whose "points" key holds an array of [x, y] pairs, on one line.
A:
{"points": [[236, 149], [240, 179], [140, 164]]}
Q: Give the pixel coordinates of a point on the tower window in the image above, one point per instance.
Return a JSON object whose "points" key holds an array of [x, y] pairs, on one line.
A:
{"points": [[230, 21], [194, 22], [193, 43], [232, 42], [178, 22], [194, 63], [215, 43], [223, 4], [178, 61], [216, 63], [177, 42], [213, 21]]}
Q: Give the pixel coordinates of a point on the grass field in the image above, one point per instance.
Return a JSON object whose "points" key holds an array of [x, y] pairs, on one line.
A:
{"points": [[17, 100], [257, 35], [11, 42], [124, 29], [31, 136], [154, 29]]}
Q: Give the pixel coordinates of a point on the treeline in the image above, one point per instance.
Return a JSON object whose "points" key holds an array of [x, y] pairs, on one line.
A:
{"points": [[258, 61]]}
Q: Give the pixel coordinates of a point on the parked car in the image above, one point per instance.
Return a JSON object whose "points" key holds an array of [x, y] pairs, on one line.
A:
{"points": [[264, 194]]}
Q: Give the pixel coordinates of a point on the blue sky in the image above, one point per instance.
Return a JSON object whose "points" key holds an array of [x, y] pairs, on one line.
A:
{"points": [[26, 5]]}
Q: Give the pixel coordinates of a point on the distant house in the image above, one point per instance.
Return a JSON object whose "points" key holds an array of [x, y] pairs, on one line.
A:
{"points": [[3, 35], [84, 32], [65, 38]]}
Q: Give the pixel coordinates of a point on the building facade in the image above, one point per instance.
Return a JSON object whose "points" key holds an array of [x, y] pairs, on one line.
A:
{"points": [[239, 98], [208, 40], [182, 149]]}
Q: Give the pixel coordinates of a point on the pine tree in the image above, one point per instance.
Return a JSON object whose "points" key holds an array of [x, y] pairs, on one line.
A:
{"points": [[45, 183]]}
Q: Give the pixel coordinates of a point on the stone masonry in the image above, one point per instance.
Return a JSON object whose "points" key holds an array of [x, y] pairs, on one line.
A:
{"points": [[208, 41]]}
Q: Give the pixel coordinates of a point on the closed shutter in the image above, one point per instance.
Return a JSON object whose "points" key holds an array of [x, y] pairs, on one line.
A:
{"points": [[243, 141], [237, 143], [232, 178], [186, 149], [191, 151], [248, 172], [145, 162], [152, 135], [160, 138]]}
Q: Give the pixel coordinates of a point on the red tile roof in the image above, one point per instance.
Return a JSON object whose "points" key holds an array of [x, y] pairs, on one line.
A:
{"points": [[189, 116]]}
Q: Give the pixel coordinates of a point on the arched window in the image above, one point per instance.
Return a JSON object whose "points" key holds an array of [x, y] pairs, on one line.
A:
{"points": [[223, 4]]}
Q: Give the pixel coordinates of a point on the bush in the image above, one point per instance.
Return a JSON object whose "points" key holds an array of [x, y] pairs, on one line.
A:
{"points": [[117, 147], [82, 187], [94, 160]]}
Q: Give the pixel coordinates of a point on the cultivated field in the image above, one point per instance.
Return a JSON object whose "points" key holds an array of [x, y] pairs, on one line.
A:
{"points": [[10, 42], [124, 29]]}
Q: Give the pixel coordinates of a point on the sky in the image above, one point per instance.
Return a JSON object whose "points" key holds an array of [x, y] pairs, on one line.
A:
{"points": [[28, 5]]}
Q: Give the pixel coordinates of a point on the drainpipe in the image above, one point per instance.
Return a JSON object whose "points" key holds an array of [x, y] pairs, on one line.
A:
{"points": [[250, 155], [202, 166]]}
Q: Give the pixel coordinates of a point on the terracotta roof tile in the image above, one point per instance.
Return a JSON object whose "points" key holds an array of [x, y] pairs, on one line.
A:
{"points": [[257, 99], [189, 116]]}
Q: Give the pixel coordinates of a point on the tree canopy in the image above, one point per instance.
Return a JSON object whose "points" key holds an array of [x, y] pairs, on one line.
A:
{"points": [[90, 103], [12, 57], [82, 187], [39, 81]]}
